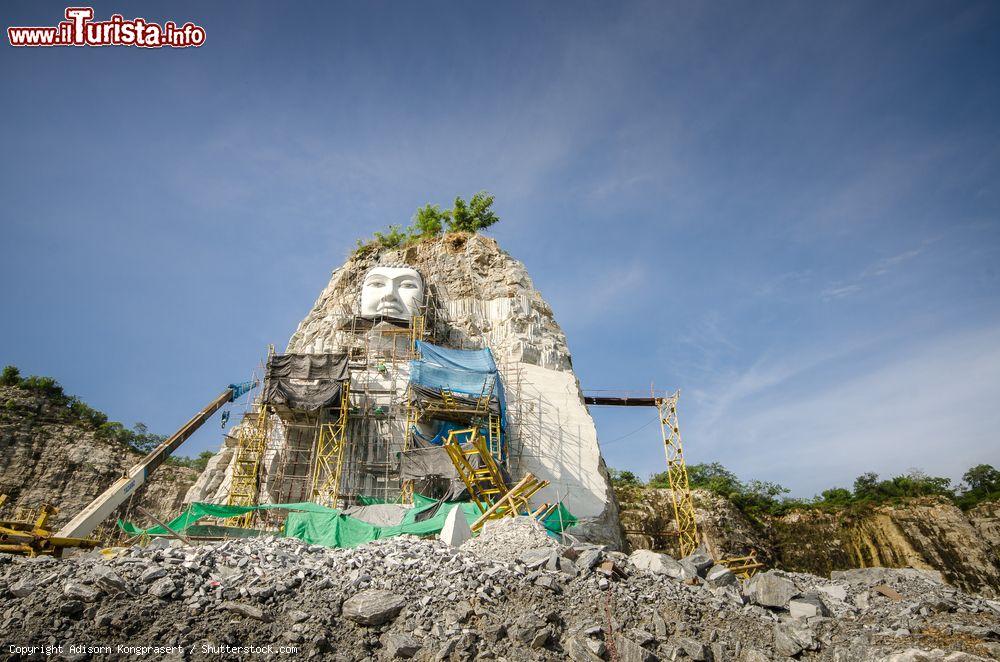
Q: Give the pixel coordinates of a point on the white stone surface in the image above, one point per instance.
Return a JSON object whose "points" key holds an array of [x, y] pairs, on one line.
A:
{"points": [[477, 295], [456, 528]]}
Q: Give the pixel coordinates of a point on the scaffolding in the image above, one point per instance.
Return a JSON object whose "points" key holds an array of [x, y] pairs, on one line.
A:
{"points": [[379, 425], [328, 462], [476, 468], [251, 440], [479, 472], [677, 475]]}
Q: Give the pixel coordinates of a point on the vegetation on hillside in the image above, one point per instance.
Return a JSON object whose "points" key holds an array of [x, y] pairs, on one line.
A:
{"points": [[430, 221], [980, 483], [82, 415]]}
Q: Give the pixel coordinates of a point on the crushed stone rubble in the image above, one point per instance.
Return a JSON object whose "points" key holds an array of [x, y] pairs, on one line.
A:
{"points": [[513, 593]]}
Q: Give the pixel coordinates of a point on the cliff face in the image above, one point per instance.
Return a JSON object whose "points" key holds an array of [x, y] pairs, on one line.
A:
{"points": [[479, 296], [929, 533], [46, 456]]}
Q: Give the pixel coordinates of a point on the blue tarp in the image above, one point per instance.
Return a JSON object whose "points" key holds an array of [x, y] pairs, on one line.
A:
{"points": [[239, 389], [465, 371], [476, 360], [444, 427]]}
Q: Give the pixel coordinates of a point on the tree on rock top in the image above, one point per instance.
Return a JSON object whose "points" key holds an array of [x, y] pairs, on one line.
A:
{"points": [[430, 221], [474, 216]]}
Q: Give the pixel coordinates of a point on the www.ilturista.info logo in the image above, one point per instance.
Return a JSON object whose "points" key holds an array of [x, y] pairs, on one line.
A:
{"points": [[79, 29]]}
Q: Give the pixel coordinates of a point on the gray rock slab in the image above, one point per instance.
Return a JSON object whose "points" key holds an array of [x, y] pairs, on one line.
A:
{"points": [[770, 590], [719, 575], [373, 607], [807, 606]]}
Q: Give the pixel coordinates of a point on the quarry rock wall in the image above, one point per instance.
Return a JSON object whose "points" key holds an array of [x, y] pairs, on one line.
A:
{"points": [[479, 296], [48, 457], [928, 533]]}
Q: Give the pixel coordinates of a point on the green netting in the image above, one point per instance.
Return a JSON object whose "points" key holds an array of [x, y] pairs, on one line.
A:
{"points": [[559, 519], [319, 525], [339, 530], [199, 510]]}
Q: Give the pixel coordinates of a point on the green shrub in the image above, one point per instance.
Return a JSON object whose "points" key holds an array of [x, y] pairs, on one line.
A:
{"points": [[11, 376], [430, 221]]}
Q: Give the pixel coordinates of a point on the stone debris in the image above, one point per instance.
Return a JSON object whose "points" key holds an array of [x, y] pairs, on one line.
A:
{"points": [[807, 606], [407, 598], [504, 539]]}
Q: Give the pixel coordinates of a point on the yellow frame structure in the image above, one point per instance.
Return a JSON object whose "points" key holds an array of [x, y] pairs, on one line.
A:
{"points": [[677, 475], [485, 483], [251, 442], [328, 463]]}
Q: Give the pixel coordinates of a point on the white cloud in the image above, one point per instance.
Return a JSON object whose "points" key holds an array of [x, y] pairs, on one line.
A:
{"points": [[877, 269], [930, 405]]}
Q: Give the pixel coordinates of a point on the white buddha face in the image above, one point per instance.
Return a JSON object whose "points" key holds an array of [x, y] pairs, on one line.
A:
{"points": [[396, 292]]}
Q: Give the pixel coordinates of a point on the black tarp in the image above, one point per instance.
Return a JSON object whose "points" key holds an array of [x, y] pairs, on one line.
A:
{"points": [[305, 381], [425, 462]]}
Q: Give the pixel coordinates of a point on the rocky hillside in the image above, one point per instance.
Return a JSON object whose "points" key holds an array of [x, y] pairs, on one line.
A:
{"points": [[49, 455], [477, 295], [928, 533], [514, 593]]}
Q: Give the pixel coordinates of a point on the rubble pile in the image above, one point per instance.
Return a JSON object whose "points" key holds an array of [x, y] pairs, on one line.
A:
{"points": [[532, 598]]}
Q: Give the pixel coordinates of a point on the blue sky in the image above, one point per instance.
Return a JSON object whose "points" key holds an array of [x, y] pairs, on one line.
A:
{"points": [[787, 210]]}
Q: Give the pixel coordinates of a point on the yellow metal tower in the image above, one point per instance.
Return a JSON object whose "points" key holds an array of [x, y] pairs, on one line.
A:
{"points": [[677, 475]]}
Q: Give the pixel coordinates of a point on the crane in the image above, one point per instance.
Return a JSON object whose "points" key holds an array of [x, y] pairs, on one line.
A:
{"points": [[100, 508]]}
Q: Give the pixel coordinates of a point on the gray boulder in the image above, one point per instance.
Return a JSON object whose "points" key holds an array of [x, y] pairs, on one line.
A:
{"points": [[80, 591], [769, 590], [152, 575], [700, 560], [23, 588], [163, 587], [107, 579], [719, 575], [401, 646], [790, 640], [456, 528], [661, 564], [373, 607], [535, 558], [807, 606]]}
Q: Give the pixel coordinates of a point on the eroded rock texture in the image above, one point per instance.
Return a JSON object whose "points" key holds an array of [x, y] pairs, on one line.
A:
{"points": [[47, 456], [929, 534], [479, 296]]}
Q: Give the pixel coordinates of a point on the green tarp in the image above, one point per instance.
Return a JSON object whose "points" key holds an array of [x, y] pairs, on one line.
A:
{"points": [[425, 518], [319, 525], [198, 510], [559, 519]]}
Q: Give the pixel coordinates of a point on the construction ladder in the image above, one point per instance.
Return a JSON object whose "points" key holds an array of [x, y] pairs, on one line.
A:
{"points": [[485, 483], [251, 438]]}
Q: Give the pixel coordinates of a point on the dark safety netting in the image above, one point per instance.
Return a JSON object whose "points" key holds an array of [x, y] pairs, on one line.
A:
{"points": [[305, 381]]}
